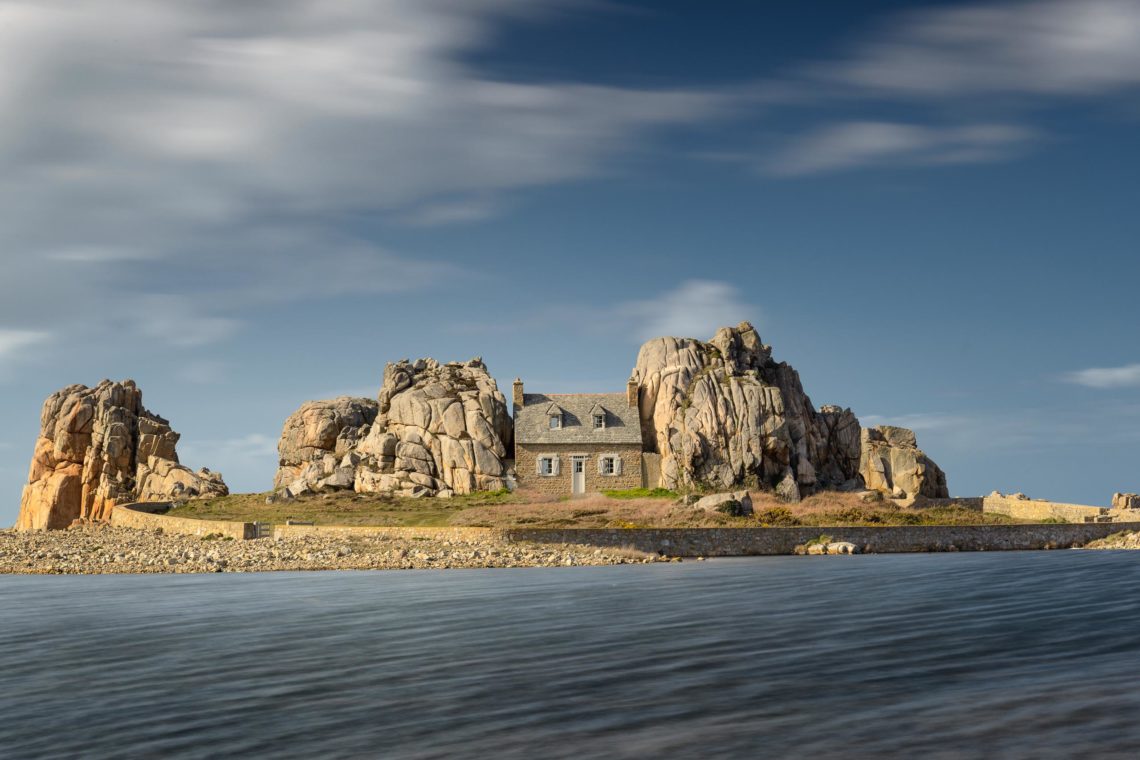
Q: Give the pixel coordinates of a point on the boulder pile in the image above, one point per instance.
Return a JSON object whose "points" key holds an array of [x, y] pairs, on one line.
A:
{"points": [[99, 447], [436, 430]]}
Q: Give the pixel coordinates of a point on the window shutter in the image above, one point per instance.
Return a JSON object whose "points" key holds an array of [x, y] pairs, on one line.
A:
{"points": [[601, 465], [538, 466], [617, 465], [557, 465]]}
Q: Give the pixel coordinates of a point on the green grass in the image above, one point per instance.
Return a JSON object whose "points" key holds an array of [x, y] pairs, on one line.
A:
{"points": [[642, 493], [635, 507], [341, 508]]}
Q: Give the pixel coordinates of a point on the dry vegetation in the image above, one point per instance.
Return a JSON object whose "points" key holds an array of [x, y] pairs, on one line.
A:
{"points": [[523, 509]]}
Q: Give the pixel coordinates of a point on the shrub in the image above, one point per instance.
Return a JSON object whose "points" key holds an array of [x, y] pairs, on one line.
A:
{"points": [[778, 516]]}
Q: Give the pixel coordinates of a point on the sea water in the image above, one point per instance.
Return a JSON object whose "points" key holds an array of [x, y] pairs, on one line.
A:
{"points": [[1009, 655]]}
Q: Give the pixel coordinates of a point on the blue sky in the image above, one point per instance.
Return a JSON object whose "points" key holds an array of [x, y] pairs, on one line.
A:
{"points": [[928, 209]]}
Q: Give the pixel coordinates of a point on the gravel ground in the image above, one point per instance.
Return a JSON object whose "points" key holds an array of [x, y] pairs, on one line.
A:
{"points": [[93, 549]]}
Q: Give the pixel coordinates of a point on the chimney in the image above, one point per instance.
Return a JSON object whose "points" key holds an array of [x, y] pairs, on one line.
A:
{"points": [[517, 394], [631, 389]]}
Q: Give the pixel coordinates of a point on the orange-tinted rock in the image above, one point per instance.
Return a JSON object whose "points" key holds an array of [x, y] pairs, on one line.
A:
{"points": [[95, 445]]}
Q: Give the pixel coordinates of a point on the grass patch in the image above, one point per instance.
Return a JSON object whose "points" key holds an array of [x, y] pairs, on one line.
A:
{"points": [[642, 493], [632, 508]]}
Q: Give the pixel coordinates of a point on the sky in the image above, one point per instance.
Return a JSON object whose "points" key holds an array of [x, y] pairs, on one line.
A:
{"points": [[928, 209]]}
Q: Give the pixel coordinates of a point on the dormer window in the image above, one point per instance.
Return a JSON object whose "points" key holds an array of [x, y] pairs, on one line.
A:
{"points": [[554, 415], [598, 415]]}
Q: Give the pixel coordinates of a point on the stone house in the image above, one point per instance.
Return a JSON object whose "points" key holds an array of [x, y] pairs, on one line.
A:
{"points": [[577, 443]]}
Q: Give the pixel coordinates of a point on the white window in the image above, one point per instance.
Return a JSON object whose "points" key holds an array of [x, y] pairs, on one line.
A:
{"points": [[609, 465], [599, 421], [546, 466], [555, 421]]}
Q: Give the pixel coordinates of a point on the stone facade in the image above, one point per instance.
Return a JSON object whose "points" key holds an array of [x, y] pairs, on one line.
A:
{"points": [[526, 467]]}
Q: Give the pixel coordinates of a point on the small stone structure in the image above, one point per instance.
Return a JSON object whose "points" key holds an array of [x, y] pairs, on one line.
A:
{"points": [[578, 443], [1125, 501]]}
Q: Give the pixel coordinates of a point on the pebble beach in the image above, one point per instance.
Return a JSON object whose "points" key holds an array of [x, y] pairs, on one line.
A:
{"points": [[102, 549]]}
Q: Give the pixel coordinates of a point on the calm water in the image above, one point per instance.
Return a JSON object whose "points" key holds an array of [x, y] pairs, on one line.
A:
{"points": [[955, 655]]}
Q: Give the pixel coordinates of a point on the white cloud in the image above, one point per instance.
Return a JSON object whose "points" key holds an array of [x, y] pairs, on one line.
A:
{"points": [[1047, 48], [89, 254], [1127, 376], [212, 152], [695, 309], [992, 61], [12, 342], [866, 143]]}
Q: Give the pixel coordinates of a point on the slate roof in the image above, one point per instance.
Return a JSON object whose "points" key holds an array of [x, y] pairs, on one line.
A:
{"points": [[532, 423]]}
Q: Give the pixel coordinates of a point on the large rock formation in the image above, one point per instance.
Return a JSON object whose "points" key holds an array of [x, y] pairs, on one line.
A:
{"points": [[724, 413], [437, 429], [99, 447], [892, 463], [322, 433]]}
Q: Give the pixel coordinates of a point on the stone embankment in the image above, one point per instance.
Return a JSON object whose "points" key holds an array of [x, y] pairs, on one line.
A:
{"points": [[98, 549]]}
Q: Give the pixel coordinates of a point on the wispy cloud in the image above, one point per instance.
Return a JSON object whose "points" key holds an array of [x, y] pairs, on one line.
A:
{"points": [[176, 320], [213, 153], [12, 342], [1043, 48], [867, 143], [994, 61], [90, 254], [695, 309], [1127, 376]]}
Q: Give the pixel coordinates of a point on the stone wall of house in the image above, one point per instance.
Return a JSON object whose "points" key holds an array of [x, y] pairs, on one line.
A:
{"points": [[526, 460]]}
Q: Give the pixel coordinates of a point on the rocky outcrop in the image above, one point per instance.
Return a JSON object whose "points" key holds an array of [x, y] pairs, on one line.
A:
{"points": [[725, 413], [99, 447], [1125, 501], [318, 436], [892, 463], [436, 430]]}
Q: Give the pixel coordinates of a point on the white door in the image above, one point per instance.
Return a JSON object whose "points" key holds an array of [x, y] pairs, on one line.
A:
{"points": [[578, 476]]}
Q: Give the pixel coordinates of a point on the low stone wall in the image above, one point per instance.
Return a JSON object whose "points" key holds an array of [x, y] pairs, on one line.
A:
{"points": [[149, 516], [739, 542], [1039, 509], [736, 542]]}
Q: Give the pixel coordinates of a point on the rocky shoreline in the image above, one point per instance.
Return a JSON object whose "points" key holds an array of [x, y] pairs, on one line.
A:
{"points": [[102, 549], [1128, 539]]}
